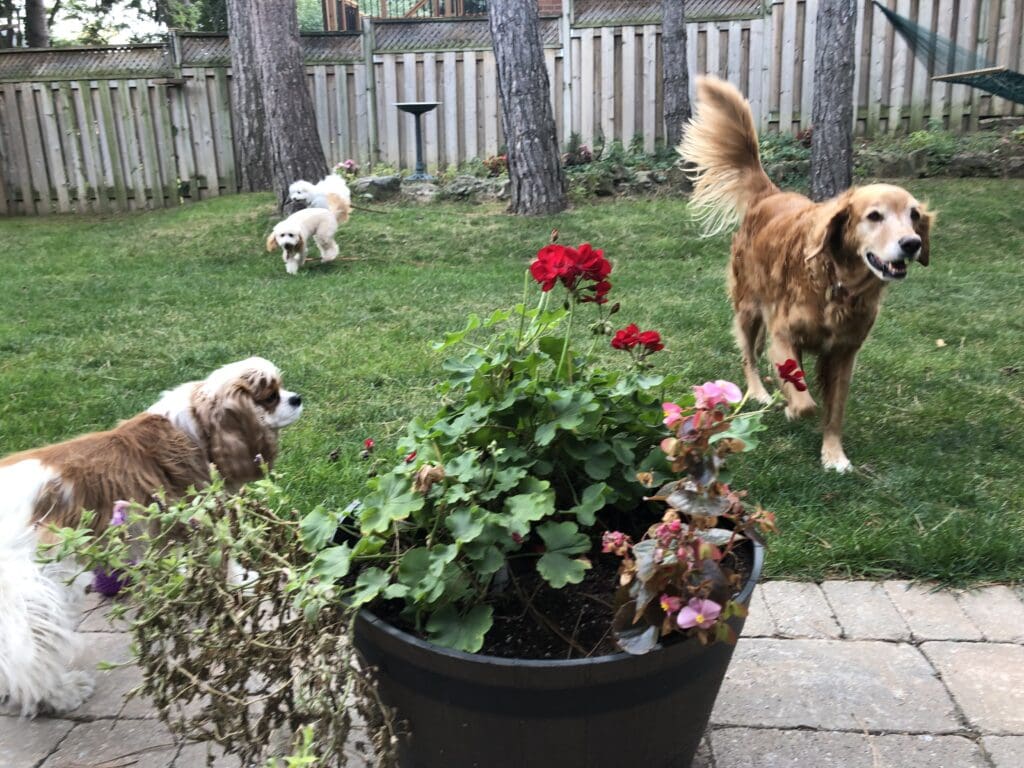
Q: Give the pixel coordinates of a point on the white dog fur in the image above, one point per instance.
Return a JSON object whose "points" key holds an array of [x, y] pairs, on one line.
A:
{"points": [[293, 234], [230, 419], [331, 192]]}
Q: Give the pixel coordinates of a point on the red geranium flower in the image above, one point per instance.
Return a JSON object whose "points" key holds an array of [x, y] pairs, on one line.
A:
{"points": [[553, 263], [368, 443], [600, 292], [627, 337], [790, 371], [592, 263], [651, 340]]}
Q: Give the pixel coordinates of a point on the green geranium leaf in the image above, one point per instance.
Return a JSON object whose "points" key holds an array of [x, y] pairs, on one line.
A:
{"points": [[742, 428], [368, 545], [317, 528], [370, 584], [559, 570], [464, 525], [600, 462], [486, 558], [532, 506], [456, 336], [462, 632], [463, 371], [564, 537], [593, 499], [464, 467], [393, 501], [333, 562]]}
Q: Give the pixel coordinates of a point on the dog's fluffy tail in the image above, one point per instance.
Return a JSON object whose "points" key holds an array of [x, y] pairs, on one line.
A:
{"points": [[720, 144], [337, 194]]}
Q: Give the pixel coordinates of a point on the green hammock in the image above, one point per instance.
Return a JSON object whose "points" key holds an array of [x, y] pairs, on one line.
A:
{"points": [[948, 62]]}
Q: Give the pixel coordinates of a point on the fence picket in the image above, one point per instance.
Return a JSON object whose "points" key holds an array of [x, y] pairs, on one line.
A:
{"points": [[451, 109], [110, 143], [69, 135]]}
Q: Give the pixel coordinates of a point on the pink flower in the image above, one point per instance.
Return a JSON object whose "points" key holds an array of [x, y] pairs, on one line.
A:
{"points": [[673, 414], [699, 613], [616, 542], [713, 393], [670, 604], [368, 444], [410, 458], [120, 513]]}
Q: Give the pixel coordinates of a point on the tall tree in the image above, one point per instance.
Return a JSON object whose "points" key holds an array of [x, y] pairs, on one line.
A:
{"points": [[675, 73], [249, 119], [292, 146], [37, 24], [832, 110], [534, 164]]}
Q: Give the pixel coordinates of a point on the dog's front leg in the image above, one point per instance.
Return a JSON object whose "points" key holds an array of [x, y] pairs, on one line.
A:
{"points": [[835, 369], [798, 404]]}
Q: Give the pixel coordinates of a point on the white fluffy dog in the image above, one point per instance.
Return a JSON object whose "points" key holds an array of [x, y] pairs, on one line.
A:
{"points": [[230, 419], [331, 192], [293, 234]]}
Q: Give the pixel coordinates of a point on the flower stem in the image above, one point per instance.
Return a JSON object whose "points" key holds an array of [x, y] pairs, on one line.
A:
{"points": [[565, 345]]}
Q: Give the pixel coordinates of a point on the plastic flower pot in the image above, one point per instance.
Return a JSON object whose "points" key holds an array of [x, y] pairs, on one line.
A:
{"points": [[466, 711]]}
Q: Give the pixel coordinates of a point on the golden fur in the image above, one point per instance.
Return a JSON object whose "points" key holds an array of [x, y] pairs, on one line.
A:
{"points": [[807, 276]]}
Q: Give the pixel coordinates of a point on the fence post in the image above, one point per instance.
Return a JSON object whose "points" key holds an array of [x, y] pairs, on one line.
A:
{"points": [[174, 50], [369, 43], [566, 30]]}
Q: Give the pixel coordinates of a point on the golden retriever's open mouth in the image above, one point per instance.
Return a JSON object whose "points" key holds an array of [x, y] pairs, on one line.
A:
{"points": [[887, 270]]}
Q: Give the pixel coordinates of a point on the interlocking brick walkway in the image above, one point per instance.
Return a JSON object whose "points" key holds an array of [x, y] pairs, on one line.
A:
{"points": [[845, 674]]}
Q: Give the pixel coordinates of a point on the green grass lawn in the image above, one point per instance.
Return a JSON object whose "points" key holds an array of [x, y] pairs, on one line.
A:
{"points": [[101, 313]]}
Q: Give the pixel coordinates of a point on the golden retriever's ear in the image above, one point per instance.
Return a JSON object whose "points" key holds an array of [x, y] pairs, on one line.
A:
{"points": [[923, 228], [826, 233], [271, 242]]}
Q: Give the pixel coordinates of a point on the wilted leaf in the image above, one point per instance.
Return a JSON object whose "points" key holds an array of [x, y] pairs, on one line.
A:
{"points": [[718, 536], [634, 638]]}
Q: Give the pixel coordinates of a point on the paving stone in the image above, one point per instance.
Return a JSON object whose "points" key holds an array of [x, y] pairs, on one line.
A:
{"points": [[931, 615], [194, 756], [764, 748], [96, 615], [833, 685], [987, 682], [108, 700], [1005, 751], [799, 609], [759, 621], [997, 612], [23, 742], [138, 743], [865, 611]]}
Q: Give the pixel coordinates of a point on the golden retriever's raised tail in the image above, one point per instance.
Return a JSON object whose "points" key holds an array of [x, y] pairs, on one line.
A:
{"points": [[720, 145]]}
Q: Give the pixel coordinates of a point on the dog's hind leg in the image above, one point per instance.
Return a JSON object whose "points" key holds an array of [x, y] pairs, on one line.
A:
{"points": [[835, 369], [328, 248], [748, 326]]}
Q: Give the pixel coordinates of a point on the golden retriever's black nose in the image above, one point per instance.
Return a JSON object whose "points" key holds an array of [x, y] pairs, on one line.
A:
{"points": [[295, 401], [910, 244]]}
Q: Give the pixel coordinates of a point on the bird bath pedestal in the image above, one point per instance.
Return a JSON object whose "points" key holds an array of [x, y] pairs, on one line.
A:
{"points": [[416, 109]]}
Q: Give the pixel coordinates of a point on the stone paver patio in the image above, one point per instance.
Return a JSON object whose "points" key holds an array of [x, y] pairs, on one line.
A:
{"points": [[844, 674]]}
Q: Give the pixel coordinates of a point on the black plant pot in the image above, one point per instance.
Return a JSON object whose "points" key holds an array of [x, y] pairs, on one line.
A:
{"points": [[472, 711]]}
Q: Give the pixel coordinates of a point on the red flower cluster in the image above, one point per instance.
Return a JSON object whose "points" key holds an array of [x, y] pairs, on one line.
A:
{"points": [[573, 266], [631, 336], [790, 371]]}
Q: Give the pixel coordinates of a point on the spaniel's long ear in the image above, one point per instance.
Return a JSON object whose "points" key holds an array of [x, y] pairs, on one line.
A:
{"points": [[240, 446], [826, 233], [923, 228], [271, 242]]}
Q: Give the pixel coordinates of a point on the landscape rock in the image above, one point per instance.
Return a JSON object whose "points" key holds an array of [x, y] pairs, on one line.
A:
{"points": [[378, 188]]}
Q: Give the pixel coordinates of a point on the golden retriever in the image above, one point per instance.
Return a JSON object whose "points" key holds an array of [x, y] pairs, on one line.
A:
{"points": [[808, 276]]}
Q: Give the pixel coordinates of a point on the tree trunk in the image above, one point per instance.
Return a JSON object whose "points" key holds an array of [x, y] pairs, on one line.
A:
{"points": [[249, 118], [534, 165], [674, 69], [832, 112], [37, 30], [292, 144]]}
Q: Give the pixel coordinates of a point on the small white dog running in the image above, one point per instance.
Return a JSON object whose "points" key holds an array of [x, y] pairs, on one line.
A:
{"points": [[329, 202]]}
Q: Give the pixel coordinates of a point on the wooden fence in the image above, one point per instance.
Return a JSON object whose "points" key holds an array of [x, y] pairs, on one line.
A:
{"points": [[82, 132]]}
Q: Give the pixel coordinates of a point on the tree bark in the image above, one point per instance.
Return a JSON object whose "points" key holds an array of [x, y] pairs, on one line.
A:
{"points": [[249, 119], [292, 144], [37, 28], [675, 73], [534, 165], [832, 110]]}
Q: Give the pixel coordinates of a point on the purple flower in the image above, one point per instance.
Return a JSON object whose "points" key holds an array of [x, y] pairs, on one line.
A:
{"points": [[120, 513], [698, 613]]}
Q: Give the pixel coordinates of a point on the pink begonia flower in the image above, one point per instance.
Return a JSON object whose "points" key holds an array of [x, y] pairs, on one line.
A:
{"points": [[711, 393], [120, 513], [698, 613], [670, 604], [673, 414]]}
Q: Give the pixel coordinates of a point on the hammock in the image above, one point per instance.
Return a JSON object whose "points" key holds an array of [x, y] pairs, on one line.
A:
{"points": [[950, 63]]}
